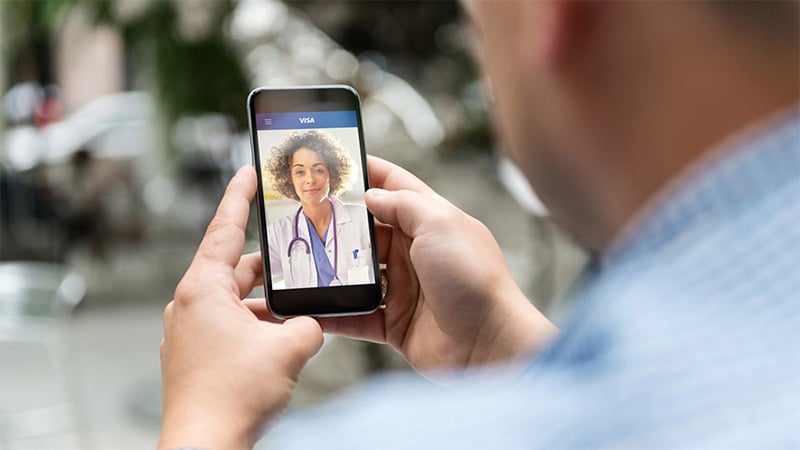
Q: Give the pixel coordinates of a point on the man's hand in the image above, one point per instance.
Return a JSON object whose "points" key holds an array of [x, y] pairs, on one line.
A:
{"points": [[226, 373], [451, 302]]}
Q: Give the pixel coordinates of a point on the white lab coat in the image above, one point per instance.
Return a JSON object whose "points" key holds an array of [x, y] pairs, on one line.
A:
{"points": [[352, 232]]}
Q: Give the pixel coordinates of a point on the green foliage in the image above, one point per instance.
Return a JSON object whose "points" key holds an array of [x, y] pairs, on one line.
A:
{"points": [[190, 76]]}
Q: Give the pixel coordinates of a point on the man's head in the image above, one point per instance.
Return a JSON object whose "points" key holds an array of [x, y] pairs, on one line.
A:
{"points": [[602, 103]]}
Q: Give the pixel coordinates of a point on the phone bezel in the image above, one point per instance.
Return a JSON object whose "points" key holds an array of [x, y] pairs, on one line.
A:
{"points": [[316, 301]]}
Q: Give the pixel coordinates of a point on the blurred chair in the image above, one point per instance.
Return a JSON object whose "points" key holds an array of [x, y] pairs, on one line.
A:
{"points": [[35, 300]]}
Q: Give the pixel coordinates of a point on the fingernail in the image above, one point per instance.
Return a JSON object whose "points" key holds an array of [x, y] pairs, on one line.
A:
{"points": [[376, 193]]}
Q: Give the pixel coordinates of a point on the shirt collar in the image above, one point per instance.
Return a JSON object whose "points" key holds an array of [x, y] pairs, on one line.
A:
{"points": [[342, 212]]}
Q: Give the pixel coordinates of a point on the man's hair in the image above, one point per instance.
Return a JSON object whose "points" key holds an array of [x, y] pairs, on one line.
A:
{"points": [[777, 20], [336, 159]]}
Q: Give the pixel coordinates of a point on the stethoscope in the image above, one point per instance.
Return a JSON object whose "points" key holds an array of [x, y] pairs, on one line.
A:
{"points": [[297, 239]]}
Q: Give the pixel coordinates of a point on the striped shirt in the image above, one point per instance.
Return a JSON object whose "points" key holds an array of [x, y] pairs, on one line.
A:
{"points": [[686, 335]]}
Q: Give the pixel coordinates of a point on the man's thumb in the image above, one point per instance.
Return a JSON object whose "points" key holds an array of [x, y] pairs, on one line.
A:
{"points": [[381, 204], [406, 210], [308, 334]]}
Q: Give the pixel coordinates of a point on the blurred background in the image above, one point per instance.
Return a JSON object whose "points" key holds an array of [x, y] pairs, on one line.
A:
{"points": [[121, 122]]}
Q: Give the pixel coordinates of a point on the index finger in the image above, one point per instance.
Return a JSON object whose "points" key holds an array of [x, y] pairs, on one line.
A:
{"points": [[224, 238], [386, 175]]}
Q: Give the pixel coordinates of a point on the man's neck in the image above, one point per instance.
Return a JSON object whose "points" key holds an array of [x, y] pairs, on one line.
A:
{"points": [[704, 164], [671, 130]]}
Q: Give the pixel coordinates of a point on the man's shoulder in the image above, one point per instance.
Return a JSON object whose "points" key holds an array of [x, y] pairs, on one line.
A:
{"points": [[732, 227], [701, 329], [718, 273], [713, 301]]}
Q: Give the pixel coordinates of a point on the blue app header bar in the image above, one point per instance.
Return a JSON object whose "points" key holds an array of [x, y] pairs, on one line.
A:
{"points": [[301, 120]]}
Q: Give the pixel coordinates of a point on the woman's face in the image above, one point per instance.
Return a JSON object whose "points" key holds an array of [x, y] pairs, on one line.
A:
{"points": [[310, 176]]}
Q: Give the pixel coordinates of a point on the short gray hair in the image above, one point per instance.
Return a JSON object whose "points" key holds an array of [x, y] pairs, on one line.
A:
{"points": [[774, 19]]}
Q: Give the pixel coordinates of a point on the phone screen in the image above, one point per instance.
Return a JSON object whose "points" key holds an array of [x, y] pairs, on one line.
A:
{"points": [[316, 233]]}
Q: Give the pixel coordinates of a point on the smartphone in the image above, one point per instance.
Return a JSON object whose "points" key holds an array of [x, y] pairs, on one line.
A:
{"points": [[317, 237]]}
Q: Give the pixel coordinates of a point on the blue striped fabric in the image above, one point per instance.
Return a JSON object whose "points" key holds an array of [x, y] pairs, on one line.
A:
{"points": [[687, 336]]}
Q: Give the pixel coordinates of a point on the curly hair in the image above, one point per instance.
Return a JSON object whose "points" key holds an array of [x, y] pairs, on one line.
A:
{"points": [[335, 157]]}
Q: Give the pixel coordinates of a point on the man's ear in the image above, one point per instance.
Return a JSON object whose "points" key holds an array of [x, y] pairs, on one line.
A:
{"points": [[558, 30]]}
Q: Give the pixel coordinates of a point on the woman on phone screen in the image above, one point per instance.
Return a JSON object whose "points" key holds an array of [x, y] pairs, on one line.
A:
{"points": [[325, 242]]}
